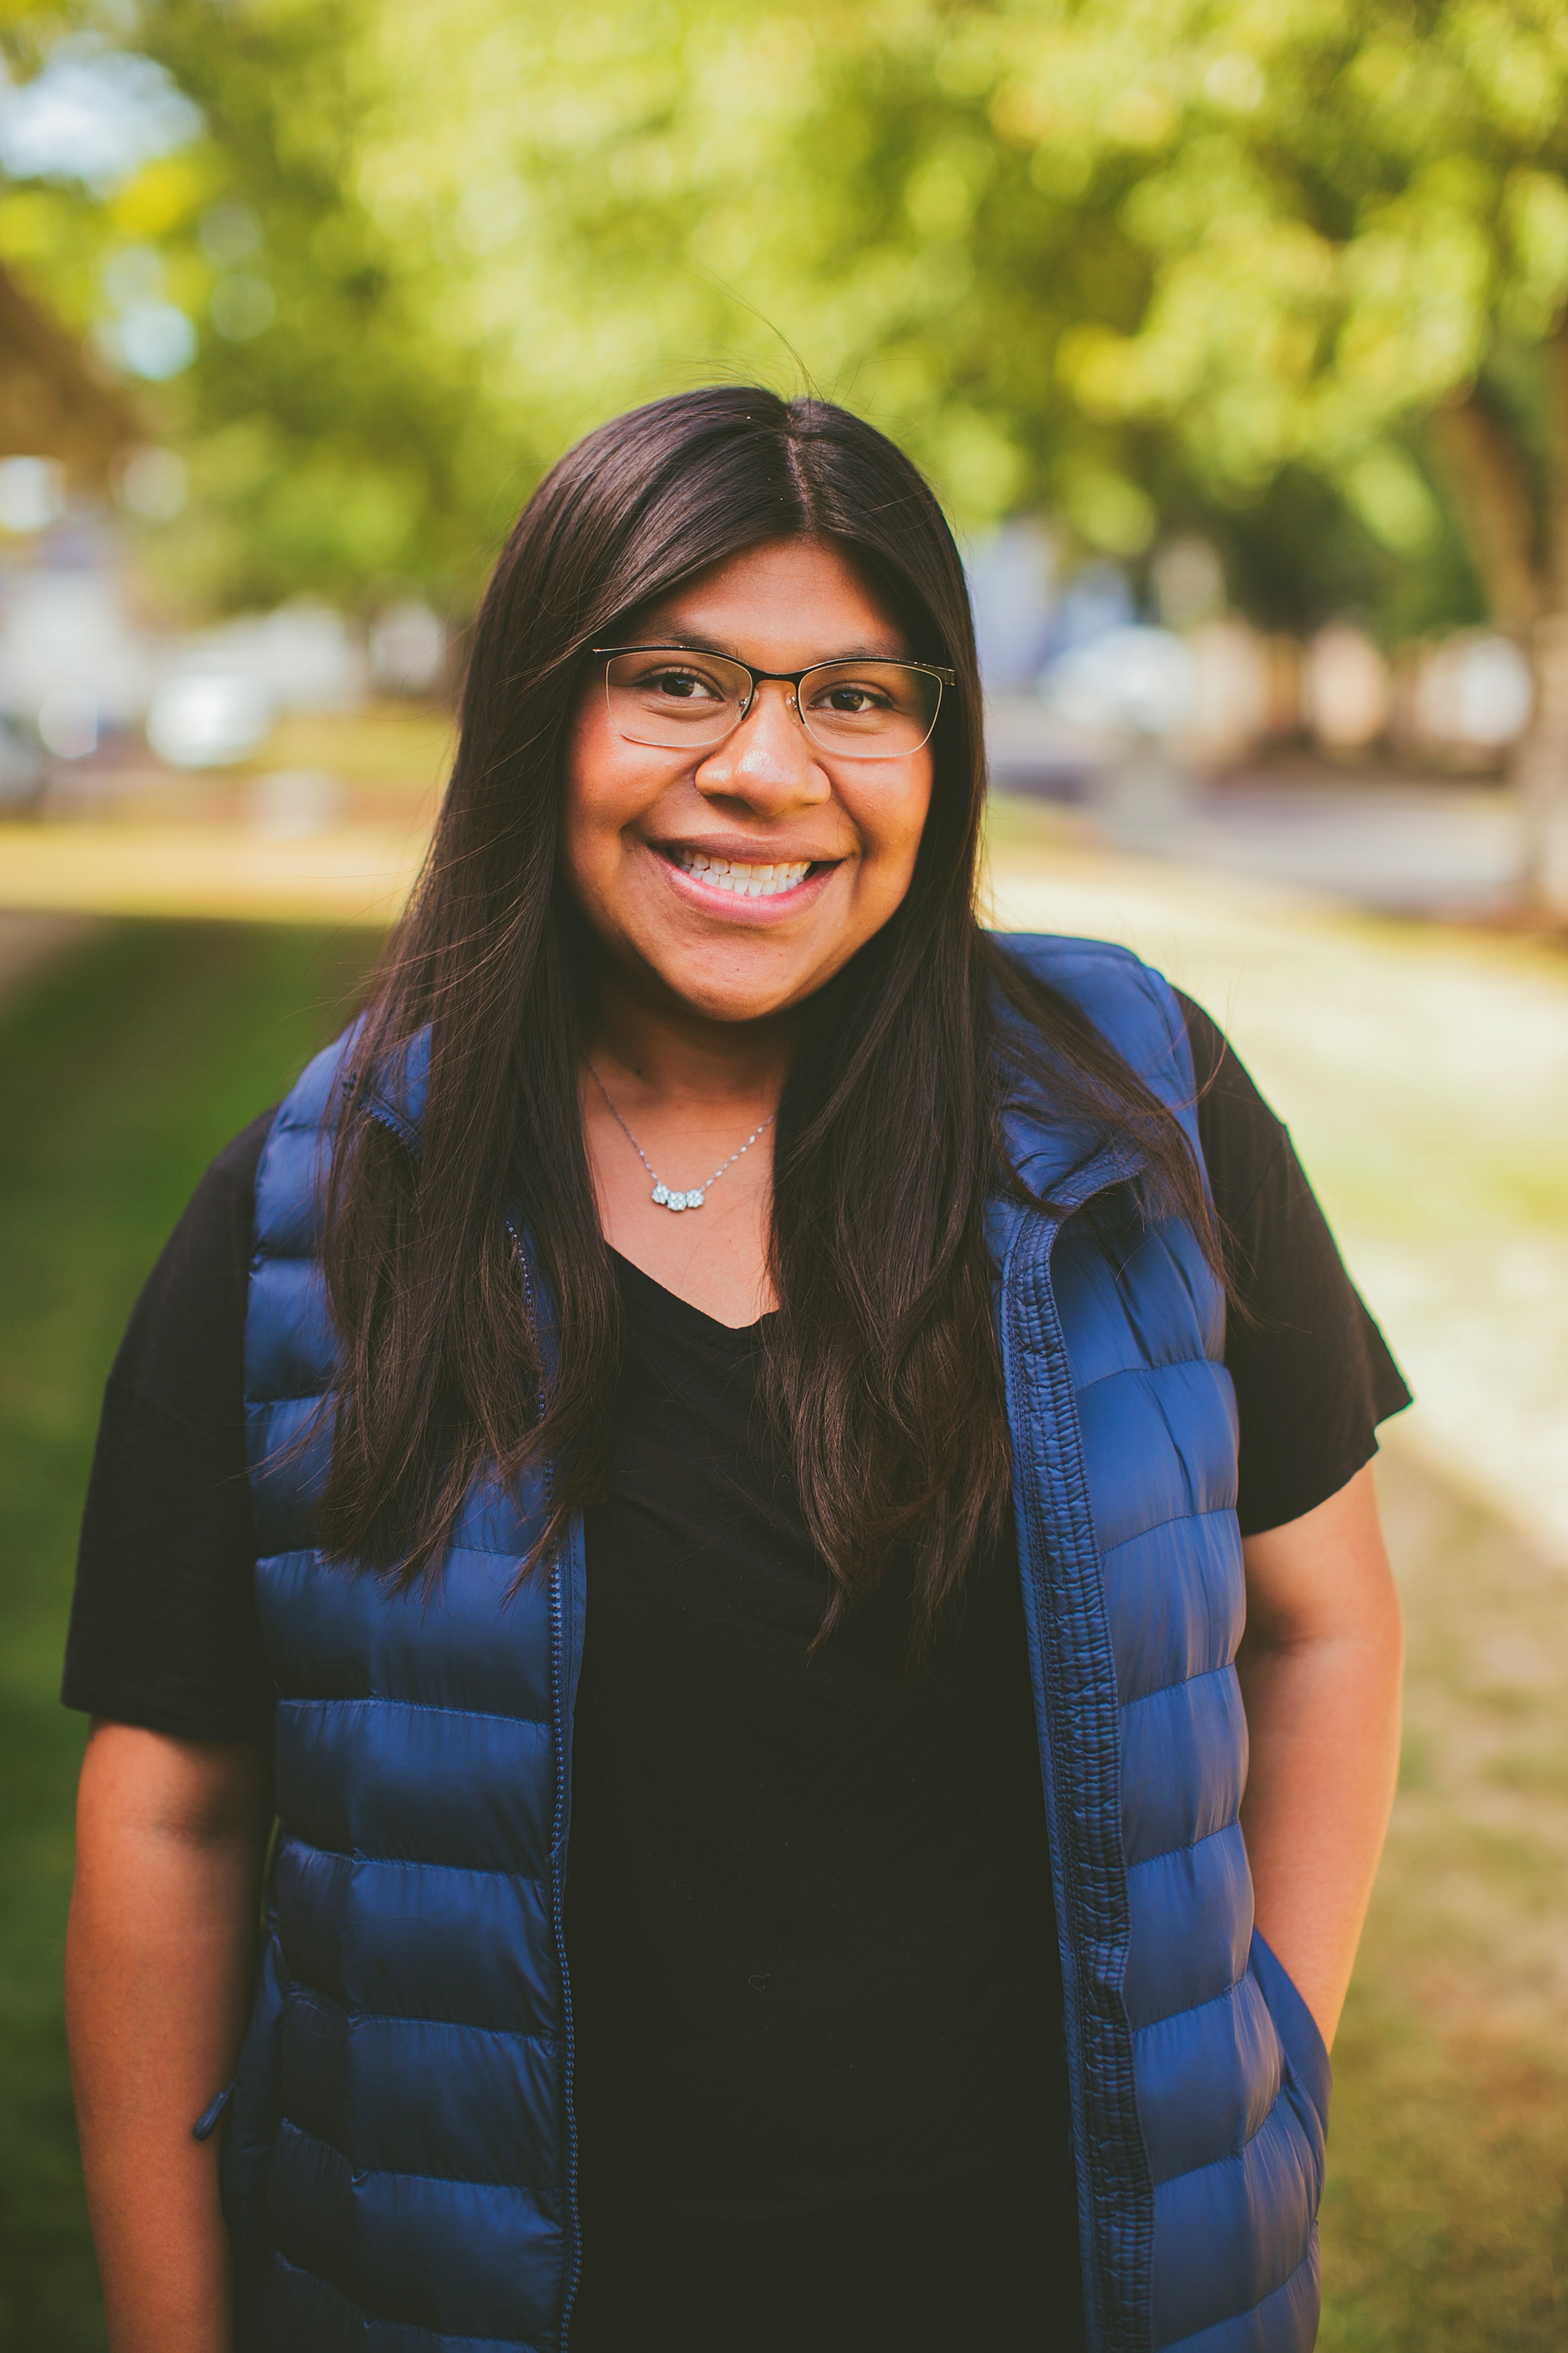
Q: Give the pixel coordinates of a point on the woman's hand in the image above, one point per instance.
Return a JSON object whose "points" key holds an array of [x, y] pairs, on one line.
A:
{"points": [[1319, 1669], [171, 1836]]}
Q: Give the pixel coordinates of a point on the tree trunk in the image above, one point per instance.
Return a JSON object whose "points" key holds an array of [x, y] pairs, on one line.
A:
{"points": [[1487, 474], [1540, 770], [1523, 565]]}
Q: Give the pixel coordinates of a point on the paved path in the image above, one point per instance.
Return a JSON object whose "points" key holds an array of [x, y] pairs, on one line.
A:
{"points": [[350, 875], [1438, 844], [1408, 846]]}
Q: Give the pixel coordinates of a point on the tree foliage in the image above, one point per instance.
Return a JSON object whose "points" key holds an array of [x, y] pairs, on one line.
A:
{"points": [[1292, 266]]}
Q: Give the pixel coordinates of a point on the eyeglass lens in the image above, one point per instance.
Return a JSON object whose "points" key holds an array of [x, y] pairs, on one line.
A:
{"points": [[858, 710]]}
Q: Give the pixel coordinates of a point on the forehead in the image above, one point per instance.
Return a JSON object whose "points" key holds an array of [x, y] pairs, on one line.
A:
{"points": [[779, 606]]}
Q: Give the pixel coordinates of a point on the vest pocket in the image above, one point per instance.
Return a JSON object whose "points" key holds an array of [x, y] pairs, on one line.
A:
{"points": [[1308, 2075], [253, 2119]]}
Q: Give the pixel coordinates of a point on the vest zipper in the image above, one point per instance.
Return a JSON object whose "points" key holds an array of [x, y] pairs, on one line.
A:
{"points": [[558, 1921], [1106, 2316], [558, 1840]]}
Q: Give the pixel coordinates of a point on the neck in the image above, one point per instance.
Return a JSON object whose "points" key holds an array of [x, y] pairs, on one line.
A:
{"points": [[677, 1057]]}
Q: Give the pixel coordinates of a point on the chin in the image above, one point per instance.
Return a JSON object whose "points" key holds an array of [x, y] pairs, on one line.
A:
{"points": [[735, 1004], [731, 987]]}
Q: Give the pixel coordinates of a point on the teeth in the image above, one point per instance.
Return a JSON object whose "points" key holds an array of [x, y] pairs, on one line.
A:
{"points": [[746, 882]]}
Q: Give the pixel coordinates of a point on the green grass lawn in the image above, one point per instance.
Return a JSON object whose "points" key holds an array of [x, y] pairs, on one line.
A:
{"points": [[122, 1072], [1445, 2216], [126, 1069]]}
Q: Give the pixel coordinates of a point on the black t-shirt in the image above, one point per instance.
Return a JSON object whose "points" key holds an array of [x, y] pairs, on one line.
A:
{"points": [[809, 1915], [819, 2075]]}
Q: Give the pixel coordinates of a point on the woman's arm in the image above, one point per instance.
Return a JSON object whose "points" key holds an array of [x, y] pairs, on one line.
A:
{"points": [[1320, 1668], [171, 1836]]}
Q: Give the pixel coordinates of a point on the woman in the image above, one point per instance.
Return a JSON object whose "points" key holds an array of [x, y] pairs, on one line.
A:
{"points": [[841, 1931]]}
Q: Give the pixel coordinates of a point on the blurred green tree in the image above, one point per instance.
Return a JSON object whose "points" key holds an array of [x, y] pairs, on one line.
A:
{"points": [[637, 196], [1354, 220], [422, 253], [333, 439], [331, 436]]}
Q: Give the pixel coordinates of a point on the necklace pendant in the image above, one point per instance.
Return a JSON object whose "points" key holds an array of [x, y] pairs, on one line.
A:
{"points": [[661, 1197]]}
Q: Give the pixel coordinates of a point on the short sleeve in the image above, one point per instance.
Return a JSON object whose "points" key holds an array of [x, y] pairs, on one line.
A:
{"points": [[163, 1628], [1313, 1374]]}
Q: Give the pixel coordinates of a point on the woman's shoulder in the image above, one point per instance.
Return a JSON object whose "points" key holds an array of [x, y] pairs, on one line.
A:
{"points": [[397, 1092], [1091, 972], [1131, 1004], [290, 1173], [1048, 954]]}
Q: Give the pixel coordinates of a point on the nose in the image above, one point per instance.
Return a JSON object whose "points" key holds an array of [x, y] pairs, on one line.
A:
{"points": [[769, 763]]}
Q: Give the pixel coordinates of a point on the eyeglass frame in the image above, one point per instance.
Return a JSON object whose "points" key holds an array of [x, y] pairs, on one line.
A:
{"points": [[792, 678]]}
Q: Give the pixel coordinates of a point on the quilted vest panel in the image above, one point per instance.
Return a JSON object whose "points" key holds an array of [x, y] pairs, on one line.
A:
{"points": [[400, 2137], [1199, 2081], [400, 2160]]}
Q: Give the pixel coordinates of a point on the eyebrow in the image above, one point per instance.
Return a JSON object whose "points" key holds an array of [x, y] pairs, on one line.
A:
{"points": [[689, 641]]}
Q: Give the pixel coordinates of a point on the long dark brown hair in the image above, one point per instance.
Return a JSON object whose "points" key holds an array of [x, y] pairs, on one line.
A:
{"points": [[881, 1363]]}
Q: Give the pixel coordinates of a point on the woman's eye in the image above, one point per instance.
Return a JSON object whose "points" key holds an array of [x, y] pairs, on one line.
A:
{"points": [[849, 699], [684, 686]]}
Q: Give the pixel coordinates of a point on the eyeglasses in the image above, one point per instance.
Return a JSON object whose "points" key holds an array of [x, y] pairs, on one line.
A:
{"points": [[676, 699]]}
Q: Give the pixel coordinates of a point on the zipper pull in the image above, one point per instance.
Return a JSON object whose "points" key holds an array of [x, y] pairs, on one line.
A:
{"points": [[207, 2122]]}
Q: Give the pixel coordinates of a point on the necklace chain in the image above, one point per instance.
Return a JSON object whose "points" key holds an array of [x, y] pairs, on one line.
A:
{"points": [[662, 1193]]}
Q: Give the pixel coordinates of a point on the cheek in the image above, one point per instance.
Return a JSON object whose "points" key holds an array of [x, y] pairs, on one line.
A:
{"points": [[573, 848], [891, 824], [596, 797]]}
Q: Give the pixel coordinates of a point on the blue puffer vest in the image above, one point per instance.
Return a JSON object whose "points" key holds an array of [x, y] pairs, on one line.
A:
{"points": [[400, 2158]]}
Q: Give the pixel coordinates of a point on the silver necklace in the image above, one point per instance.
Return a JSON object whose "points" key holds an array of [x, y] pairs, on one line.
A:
{"points": [[665, 1199]]}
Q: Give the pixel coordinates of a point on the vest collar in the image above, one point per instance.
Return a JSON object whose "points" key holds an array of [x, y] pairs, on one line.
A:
{"points": [[402, 1084]]}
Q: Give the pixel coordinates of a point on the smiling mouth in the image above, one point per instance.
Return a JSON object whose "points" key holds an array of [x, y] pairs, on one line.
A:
{"points": [[740, 879]]}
